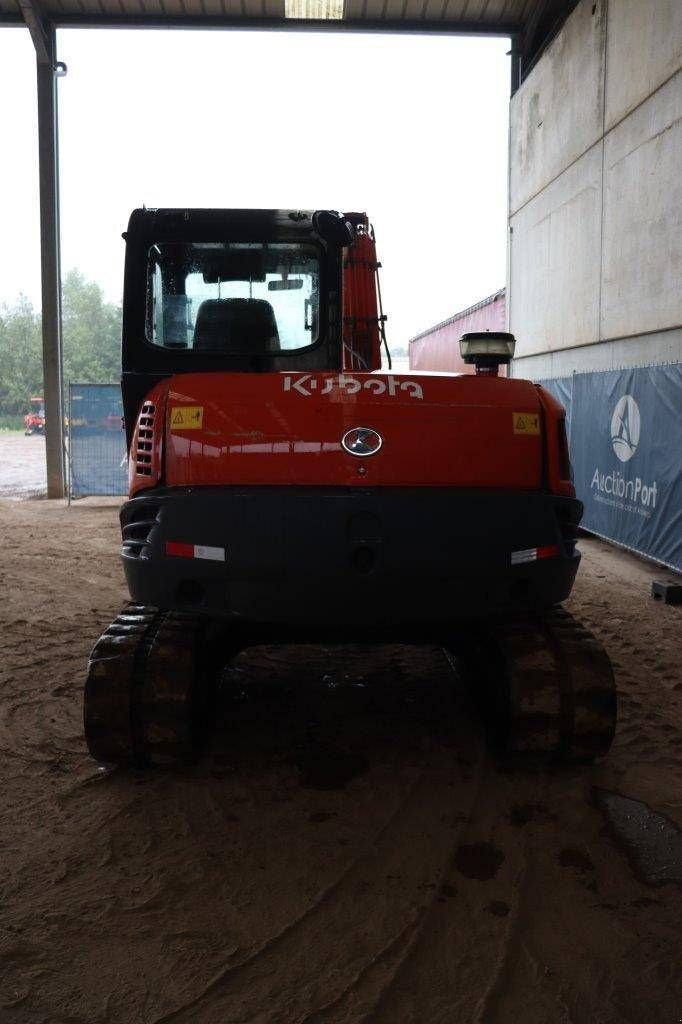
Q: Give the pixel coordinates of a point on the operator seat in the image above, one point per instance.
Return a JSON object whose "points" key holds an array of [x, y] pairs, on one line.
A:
{"points": [[236, 325]]}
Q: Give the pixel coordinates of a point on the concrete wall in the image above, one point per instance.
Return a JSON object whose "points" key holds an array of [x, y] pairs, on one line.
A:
{"points": [[595, 193]]}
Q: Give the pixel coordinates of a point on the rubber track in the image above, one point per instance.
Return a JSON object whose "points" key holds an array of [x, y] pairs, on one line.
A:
{"points": [[561, 689], [546, 680], [147, 683], [547, 684]]}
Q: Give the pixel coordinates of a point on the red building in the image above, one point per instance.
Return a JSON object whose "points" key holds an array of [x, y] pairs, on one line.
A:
{"points": [[438, 347]]}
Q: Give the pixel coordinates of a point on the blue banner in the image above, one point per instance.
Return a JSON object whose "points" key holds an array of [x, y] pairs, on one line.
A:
{"points": [[96, 440], [626, 450]]}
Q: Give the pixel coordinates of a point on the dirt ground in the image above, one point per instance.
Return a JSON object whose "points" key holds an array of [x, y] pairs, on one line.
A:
{"points": [[407, 877]]}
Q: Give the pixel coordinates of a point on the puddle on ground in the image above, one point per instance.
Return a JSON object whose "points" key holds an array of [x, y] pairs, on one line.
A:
{"points": [[652, 842]]}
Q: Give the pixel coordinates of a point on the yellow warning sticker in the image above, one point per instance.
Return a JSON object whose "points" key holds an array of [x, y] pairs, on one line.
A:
{"points": [[526, 422], [186, 417]]}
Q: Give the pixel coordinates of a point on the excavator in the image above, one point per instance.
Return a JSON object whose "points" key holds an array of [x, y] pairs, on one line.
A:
{"points": [[284, 488], [34, 420]]}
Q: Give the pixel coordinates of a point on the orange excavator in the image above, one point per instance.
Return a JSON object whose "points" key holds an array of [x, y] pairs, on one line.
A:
{"points": [[284, 487], [34, 420]]}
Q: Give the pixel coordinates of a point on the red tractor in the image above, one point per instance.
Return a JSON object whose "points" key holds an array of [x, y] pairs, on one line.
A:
{"points": [[34, 421], [283, 487]]}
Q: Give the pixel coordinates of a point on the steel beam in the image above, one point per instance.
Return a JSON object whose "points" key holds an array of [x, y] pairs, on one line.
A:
{"points": [[48, 163], [515, 64], [39, 27], [245, 23]]}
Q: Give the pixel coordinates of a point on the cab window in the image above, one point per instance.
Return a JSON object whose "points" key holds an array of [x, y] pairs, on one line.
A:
{"points": [[233, 297]]}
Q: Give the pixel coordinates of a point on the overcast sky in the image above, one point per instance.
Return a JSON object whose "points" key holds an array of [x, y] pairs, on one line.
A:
{"points": [[412, 130]]}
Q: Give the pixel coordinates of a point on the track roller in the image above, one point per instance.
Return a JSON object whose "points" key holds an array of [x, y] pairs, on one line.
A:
{"points": [[150, 680], [546, 684]]}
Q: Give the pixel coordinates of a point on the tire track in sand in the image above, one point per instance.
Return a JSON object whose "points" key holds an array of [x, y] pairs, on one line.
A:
{"points": [[356, 930]]}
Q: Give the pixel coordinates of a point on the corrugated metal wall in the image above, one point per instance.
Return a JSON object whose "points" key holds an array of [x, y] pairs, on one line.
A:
{"points": [[438, 347]]}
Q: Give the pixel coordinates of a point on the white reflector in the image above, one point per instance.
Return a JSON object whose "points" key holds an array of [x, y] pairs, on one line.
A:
{"points": [[533, 554], [314, 9], [529, 555]]}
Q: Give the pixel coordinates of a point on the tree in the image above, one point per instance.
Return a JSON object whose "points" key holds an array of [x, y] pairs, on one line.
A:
{"points": [[21, 368], [91, 332], [91, 341]]}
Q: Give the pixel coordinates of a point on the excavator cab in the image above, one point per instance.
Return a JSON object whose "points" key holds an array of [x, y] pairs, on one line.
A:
{"points": [[233, 291]]}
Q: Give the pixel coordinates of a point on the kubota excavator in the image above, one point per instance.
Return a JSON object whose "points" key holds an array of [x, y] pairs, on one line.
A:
{"points": [[283, 487]]}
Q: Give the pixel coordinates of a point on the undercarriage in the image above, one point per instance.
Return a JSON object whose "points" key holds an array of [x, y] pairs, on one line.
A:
{"points": [[543, 683]]}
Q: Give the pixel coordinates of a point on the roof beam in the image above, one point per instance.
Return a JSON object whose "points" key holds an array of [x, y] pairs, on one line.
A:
{"points": [[59, 19], [541, 28], [39, 26], [531, 27]]}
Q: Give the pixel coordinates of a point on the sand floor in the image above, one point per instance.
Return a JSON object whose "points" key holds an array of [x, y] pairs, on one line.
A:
{"points": [[416, 879]]}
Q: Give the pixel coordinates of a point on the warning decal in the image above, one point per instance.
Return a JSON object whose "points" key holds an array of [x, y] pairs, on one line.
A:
{"points": [[186, 417], [526, 422]]}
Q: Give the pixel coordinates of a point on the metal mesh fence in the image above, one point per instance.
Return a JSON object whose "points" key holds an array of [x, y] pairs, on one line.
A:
{"points": [[96, 440]]}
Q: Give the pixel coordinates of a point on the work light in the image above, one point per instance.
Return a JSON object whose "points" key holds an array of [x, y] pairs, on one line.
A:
{"points": [[487, 350]]}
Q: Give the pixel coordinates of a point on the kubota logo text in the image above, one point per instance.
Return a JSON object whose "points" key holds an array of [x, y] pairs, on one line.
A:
{"points": [[308, 385], [625, 428]]}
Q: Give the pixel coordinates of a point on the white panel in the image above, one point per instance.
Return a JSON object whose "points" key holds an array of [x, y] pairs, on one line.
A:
{"points": [[557, 114], [644, 49], [608, 355], [642, 284], [555, 261]]}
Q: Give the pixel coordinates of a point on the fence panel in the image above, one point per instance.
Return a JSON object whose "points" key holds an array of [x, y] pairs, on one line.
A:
{"points": [[97, 448]]}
